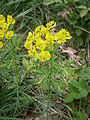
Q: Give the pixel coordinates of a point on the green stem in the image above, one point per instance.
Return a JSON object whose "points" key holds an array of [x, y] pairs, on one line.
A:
{"points": [[48, 101], [16, 74], [16, 70], [80, 105], [48, 97]]}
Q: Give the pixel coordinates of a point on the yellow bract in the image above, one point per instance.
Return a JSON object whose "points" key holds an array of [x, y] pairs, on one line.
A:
{"points": [[1, 35], [9, 35], [51, 24], [41, 39], [4, 27], [62, 35], [1, 44], [50, 39], [44, 56], [33, 53], [40, 44], [2, 19], [10, 20], [28, 44]]}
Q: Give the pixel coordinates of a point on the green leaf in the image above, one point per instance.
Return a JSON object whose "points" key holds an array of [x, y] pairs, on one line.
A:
{"points": [[82, 7], [73, 92], [75, 83], [89, 9], [48, 2], [61, 84], [24, 13], [69, 98], [27, 64], [43, 83], [81, 116], [58, 85], [77, 90], [83, 88], [83, 12], [78, 32], [76, 0], [11, 85], [85, 74]]}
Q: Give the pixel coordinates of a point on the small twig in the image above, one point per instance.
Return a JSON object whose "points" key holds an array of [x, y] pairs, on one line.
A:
{"points": [[54, 111]]}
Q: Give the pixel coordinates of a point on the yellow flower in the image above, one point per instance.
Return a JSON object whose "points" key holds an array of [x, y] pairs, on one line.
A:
{"points": [[60, 37], [28, 44], [32, 52], [2, 19], [51, 25], [29, 36], [43, 30], [4, 27], [1, 35], [36, 37], [68, 35], [49, 39], [42, 39], [1, 44], [9, 34], [10, 20], [37, 29], [40, 44], [44, 56]]}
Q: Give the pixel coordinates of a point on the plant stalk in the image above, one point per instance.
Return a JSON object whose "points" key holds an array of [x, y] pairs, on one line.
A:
{"points": [[16, 71], [48, 97]]}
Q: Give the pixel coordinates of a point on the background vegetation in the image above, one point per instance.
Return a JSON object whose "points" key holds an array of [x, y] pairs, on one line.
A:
{"points": [[70, 85]]}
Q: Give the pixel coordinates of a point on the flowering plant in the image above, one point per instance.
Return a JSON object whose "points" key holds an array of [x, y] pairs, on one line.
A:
{"points": [[5, 31], [39, 42]]}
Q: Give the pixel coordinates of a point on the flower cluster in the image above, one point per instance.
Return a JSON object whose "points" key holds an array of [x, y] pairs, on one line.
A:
{"points": [[38, 42], [5, 31]]}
